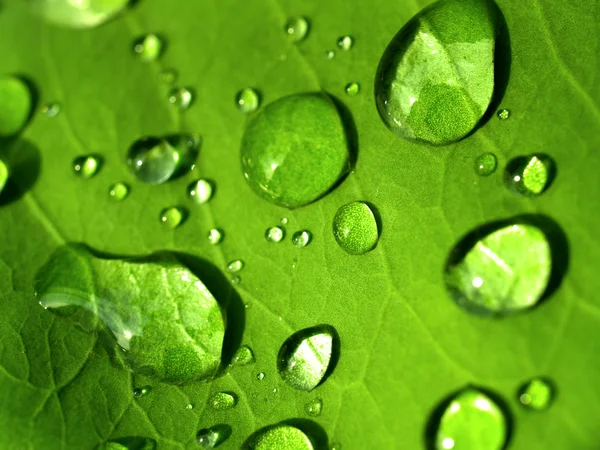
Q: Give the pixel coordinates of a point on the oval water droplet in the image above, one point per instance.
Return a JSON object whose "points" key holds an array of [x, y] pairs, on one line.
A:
{"points": [[201, 191], [436, 77], [77, 14], [314, 407], [16, 105], [215, 236], [141, 391], [118, 191], [472, 420], [87, 166], [352, 89], [345, 42], [305, 357], [235, 266], [297, 28], [182, 97], [537, 394], [301, 238], [50, 109], [260, 376], [209, 438], [172, 217], [275, 234], [329, 55], [221, 401], [247, 100], [486, 164], [355, 228], [530, 175], [243, 356], [295, 149], [503, 114], [148, 47], [280, 437]]}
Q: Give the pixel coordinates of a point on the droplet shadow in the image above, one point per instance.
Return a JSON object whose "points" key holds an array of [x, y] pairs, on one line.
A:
{"points": [[23, 160]]}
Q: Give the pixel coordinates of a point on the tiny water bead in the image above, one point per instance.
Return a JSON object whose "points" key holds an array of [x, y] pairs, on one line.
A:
{"points": [[275, 234], [215, 236], [329, 55], [301, 238], [503, 114], [297, 28], [284, 221], [530, 175], [236, 280], [148, 47], [435, 80], [50, 109], [77, 14], [235, 266], [537, 394], [87, 166], [181, 97], [355, 228], [243, 356], [172, 217], [295, 149], [221, 401], [141, 391], [305, 357], [118, 191], [260, 376], [201, 191], [16, 105], [314, 407], [352, 89], [501, 272], [189, 406], [4, 174], [247, 100], [168, 76], [335, 446], [472, 421], [486, 164], [280, 437], [345, 42]]}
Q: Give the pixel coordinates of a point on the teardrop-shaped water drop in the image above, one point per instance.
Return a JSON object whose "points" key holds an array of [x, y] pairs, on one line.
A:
{"points": [[201, 191], [215, 236], [118, 191], [297, 28], [530, 175], [77, 13], [87, 166], [280, 437], [182, 97], [501, 271], [275, 234], [472, 421], [247, 100], [314, 407], [295, 149], [148, 47], [141, 391], [486, 164], [172, 217], [305, 357], [345, 42], [221, 401], [435, 80], [537, 394], [16, 105], [301, 238], [355, 228]]}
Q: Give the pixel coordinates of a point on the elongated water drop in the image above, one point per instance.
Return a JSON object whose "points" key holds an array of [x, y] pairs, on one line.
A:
{"points": [[141, 391], [472, 421], [530, 175], [118, 191], [77, 13], [485, 164], [355, 228], [16, 105], [295, 150], [280, 437], [201, 191], [247, 100], [314, 407], [182, 97], [220, 401], [172, 217], [275, 234], [243, 356], [215, 236], [87, 166], [297, 28], [301, 238], [305, 357], [148, 47], [436, 78], [345, 43], [537, 394]]}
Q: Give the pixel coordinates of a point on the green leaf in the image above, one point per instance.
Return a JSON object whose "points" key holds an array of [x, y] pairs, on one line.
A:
{"points": [[405, 345]]}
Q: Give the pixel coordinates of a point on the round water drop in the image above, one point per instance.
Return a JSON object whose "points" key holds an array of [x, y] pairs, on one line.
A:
{"points": [[502, 272], [329, 55], [215, 236], [486, 164], [209, 438], [168, 76], [201, 191], [314, 407], [260, 376], [297, 28], [280, 437], [4, 174], [355, 228], [530, 175], [77, 13], [148, 47], [284, 221], [435, 80], [247, 100], [472, 421], [295, 149], [305, 357], [141, 391], [87, 166], [189, 406], [301, 238], [172, 217], [352, 89], [16, 105], [345, 42], [118, 191], [537, 394], [235, 266], [503, 114], [181, 97], [275, 234], [50, 109], [221, 401], [243, 356]]}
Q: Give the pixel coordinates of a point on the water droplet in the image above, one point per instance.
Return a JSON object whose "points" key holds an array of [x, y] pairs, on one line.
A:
{"points": [[220, 401], [215, 236], [4, 174], [128, 443], [297, 28], [501, 272], [247, 100], [50, 109], [305, 356], [243, 356], [118, 191], [181, 97], [314, 407], [352, 89], [87, 166], [329, 55], [301, 238], [148, 47], [168, 76], [486, 164], [235, 266], [537, 394], [141, 391], [274, 234], [77, 14], [503, 114], [530, 175], [295, 149], [274, 390], [284, 221], [201, 191], [172, 217], [436, 77], [209, 438], [472, 420], [15, 108], [294, 263], [280, 437], [260, 376], [345, 42], [236, 280], [189, 406], [355, 228], [248, 305], [335, 446]]}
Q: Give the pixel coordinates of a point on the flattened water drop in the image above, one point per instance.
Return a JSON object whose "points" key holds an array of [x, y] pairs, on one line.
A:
{"points": [[530, 175], [215, 236], [247, 100], [172, 217], [182, 97], [355, 228], [77, 13], [118, 191], [280, 437], [435, 80], [295, 150], [16, 105], [87, 166], [301, 238], [297, 28], [472, 421], [537, 394], [221, 401], [486, 164], [314, 407], [148, 47], [201, 191], [305, 357], [345, 42], [275, 234], [243, 356]]}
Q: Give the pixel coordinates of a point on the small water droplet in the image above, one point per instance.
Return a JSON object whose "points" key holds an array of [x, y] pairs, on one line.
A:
{"points": [[243, 356], [280, 437], [141, 391], [260, 376], [345, 42], [118, 191], [50, 109], [503, 114], [352, 89], [530, 175], [215, 236], [189, 406], [301, 238], [235, 266], [274, 234], [172, 217], [168, 76], [284, 221], [294, 263], [486, 164], [221, 401], [182, 97], [209, 438], [355, 228], [297, 28], [201, 191], [247, 100], [77, 13], [236, 280], [87, 166], [274, 390], [148, 47], [314, 407], [335, 446], [537, 394], [329, 55], [248, 305]]}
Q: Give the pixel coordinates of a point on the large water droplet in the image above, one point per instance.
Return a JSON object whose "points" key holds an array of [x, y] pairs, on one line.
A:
{"points": [[501, 271], [181, 97], [148, 47], [201, 191], [87, 166], [301, 238], [295, 150], [243, 356], [297, 28], [471, 421], [280, 437], [141, 391], [537, 394], [305, 357], [220, 401], [247, 100], [486, 164], [16, 105], [345, 43], [530, 175], [77, 13], [172, 217], [355, 228], [118, 191], [314, 407], [215, 236], [161, 315], [436, 78], [275, 234]]}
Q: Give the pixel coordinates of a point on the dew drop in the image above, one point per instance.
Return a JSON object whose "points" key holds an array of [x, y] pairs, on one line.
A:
{"points": [[118, 191], [221, 401], [128, 443], [247, 100], [141, 391], [235, 266], [297, 28], [16, 105], [168, 76], [503, 114], [209, 438], [355, 228], [314, 407], [274, 234], [77, 14], [530, 175], [172, 217], [260, 376], [329, 55], [345, 42], [148, 47], [243, 356], [201, 191], [301, 238], [352, 89], [486, 164], [87, 166], [182, 97], [537, 394], [215, 236], [284, 221], [189, 406], [281, 437], [50, 109]]}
